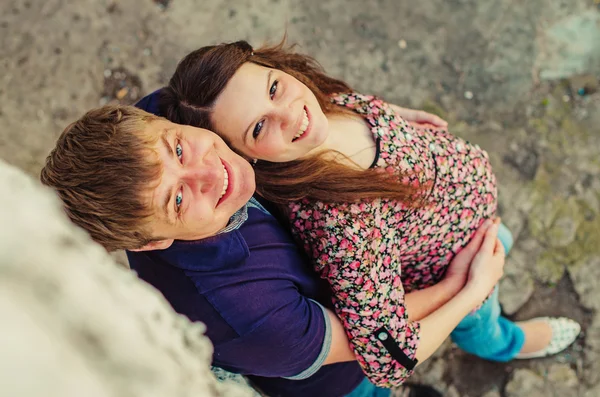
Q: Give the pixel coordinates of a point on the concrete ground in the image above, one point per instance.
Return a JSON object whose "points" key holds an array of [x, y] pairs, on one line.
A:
{"points": [[518, 77]]}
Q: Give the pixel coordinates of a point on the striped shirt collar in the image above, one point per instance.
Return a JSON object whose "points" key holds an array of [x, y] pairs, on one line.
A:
{"points": [[241, 216]]}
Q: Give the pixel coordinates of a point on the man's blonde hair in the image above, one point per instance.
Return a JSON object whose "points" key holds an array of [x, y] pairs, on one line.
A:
{"points": [[100, 167]]}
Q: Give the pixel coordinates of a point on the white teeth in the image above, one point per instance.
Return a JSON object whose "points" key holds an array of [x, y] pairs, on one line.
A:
{"points": [[303, 126], [225, 181]]}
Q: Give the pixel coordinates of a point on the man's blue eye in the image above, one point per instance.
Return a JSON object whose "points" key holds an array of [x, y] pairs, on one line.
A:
{"points": [[273, 89], [179, 151], [257, 128], [178, 199]]}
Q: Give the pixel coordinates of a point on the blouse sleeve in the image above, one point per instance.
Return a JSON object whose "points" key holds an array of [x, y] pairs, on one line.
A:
{"points": [[355, 253]]}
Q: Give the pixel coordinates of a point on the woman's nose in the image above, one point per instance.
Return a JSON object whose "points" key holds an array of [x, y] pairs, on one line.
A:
{"points": [[286, 117]]}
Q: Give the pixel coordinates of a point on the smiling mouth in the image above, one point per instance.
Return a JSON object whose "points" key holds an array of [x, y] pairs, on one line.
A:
{"points": [[225, 181], [225, 190], [303, 125]]}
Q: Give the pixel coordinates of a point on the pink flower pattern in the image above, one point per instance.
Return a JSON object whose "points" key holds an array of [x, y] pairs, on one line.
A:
{"points": [[373, 252]]}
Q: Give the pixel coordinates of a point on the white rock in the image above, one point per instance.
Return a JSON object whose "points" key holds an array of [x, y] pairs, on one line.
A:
{"points": [[76, 324]]}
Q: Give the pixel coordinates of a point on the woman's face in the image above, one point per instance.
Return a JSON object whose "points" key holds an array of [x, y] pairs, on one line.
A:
{"points": [[267, 114]]}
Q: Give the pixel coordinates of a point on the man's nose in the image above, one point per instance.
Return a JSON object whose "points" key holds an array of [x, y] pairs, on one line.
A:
{"points": [[203, 177]]}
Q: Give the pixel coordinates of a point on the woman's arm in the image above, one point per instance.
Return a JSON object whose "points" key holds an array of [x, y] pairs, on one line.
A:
{"points": [[485, 262], [420, 304], [435, 328], [485, 272]]}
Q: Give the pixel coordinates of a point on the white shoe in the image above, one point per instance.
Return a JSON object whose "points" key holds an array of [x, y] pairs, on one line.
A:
{"points": [[564, 333]]}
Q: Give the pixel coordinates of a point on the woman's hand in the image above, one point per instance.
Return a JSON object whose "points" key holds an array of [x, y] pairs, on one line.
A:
{"points": [[483, 274], [458, 270], [419, 116], [488, 265]]}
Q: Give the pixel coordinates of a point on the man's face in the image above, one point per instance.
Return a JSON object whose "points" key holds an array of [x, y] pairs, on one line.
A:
{"points": [[203, 183]]}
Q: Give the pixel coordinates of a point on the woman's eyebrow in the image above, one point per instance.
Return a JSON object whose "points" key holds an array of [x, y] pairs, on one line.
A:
{"points": [[245, 138], [268, 81]]}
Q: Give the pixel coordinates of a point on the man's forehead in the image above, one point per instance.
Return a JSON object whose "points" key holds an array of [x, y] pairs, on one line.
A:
{"points": [[154, 189], [155, 129], [153, 197]]}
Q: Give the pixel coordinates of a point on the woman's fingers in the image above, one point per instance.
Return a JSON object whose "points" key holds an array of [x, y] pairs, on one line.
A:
{"points": [[489, 241], [423, 116], [480, 233], [499, 249], [475, 242], [419, 116]]}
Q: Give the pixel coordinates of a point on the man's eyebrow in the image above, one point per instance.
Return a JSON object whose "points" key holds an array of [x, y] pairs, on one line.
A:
{"points": [[164, 137], [268, 90], [167, 199], [166, 202]]}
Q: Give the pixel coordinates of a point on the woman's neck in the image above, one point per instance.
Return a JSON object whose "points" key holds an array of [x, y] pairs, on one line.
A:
{"points": [[350, 135]]}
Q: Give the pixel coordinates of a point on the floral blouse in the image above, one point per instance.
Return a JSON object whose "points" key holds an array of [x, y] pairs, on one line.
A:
{"points": [[373, 252]]}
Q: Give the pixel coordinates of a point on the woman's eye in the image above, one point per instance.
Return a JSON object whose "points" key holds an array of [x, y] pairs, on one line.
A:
{"points": [[178, 200], [257, 128], [179, 151], [273, 89]]}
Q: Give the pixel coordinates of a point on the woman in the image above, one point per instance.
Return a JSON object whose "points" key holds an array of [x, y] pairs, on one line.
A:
{"points": [[381, 205]]}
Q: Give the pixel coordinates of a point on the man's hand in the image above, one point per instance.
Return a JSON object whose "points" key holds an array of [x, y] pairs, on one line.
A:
{"points": [[419, 116]]}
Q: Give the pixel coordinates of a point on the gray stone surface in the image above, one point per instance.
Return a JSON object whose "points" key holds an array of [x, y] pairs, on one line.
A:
{"points": [[517, 285], [525, 382], [76, 324], [571, 46], [492, 393], [505, 74], [558, 380], [591, 373]]}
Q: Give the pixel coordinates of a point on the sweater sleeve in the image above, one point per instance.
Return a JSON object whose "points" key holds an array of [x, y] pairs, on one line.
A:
{"points": [[355, 252]]}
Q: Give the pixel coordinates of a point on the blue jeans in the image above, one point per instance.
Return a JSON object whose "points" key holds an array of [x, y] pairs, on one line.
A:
{"points": [[485, 333], [367, 389]]}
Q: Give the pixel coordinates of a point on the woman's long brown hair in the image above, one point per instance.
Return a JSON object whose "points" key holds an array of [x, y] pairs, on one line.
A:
{"points": [[203, 74]]}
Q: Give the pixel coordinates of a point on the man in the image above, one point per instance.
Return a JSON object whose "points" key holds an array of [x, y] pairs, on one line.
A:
{"points": [[181, 202]]}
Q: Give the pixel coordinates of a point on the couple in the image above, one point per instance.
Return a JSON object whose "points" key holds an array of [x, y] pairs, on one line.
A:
{"points": [[394, 213]]}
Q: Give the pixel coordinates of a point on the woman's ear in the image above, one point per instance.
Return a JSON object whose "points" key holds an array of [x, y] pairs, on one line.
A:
{"points": [[155, 245]]}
